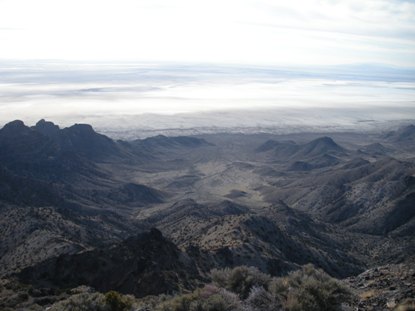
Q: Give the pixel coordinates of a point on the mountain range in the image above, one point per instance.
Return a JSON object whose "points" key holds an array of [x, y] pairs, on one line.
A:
{"points": [[155, 215]]}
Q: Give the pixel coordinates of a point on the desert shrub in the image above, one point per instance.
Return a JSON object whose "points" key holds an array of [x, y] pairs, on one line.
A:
{"points": [[240, 280], [279, 288], [260, 299], [232, 300], [313, 290], [209, 298], [209, 290], [80, 289], [117, 302], [306, 289], [222, 301], [407, 305], [238, 289], [216, 302], [81, 302], [92, 301], [178, 303]]}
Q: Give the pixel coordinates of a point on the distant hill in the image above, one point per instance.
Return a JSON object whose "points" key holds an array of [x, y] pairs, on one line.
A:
{"points": [[375, 149], [406, 133], [318, 147], [288, 149]]}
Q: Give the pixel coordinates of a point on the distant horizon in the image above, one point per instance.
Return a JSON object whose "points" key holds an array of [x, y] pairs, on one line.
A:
{"points": [[157, 97], [205, 63], [277, 122]]}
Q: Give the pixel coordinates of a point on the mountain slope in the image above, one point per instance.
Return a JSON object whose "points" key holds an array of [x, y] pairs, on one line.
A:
{"points": [[276, 238], [319, 147], [406, 133], [147, 264], [30, 234], [359, 195], [284, 150], [68, 197]]}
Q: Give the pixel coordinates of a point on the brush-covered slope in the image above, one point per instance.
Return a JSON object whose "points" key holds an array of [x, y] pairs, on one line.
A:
{"points": [[146, 264]]}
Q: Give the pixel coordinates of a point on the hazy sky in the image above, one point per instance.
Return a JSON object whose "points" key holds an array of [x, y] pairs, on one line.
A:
{"points": [[191, 63], [300, 32]]}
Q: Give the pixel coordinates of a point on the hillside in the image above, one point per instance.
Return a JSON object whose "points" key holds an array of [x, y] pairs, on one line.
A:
{"points": [[76, 206]]}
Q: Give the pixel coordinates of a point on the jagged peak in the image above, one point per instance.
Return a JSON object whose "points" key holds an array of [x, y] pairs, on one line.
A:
{"points": [[47, 128], [15, 124], [43, 122], [81, 127], [322, 143], [326, 140]]}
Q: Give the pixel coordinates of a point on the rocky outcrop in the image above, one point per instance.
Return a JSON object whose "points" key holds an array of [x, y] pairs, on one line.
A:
{"points": [[385, 288]]}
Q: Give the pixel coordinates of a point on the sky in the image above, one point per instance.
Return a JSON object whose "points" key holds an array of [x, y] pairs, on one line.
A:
{"points": [[262, 32], [155, 66]]}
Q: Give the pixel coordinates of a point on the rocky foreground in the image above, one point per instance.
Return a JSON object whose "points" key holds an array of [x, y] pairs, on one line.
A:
{"points": [[385, 287]]}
